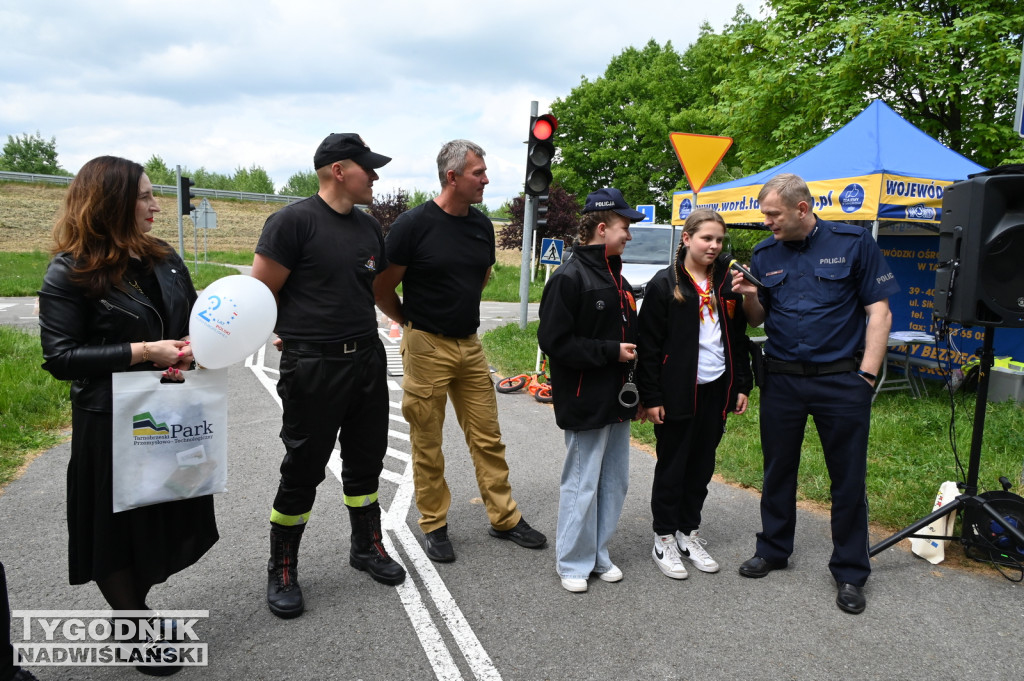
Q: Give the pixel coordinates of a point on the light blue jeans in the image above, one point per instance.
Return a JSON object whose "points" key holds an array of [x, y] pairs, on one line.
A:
{"points": [[593, 489]]}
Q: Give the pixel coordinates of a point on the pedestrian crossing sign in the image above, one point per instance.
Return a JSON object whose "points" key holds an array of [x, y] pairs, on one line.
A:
{"points": [[551, 252]]}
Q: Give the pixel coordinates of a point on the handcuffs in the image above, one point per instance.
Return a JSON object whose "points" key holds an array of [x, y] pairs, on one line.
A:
{"points": [[628, 395]]}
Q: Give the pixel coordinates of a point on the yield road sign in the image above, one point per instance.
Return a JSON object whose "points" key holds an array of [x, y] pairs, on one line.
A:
{"points": [[699, 155]]}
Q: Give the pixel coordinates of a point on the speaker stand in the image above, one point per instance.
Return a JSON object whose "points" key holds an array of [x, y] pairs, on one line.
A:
{"points": [[969, 497]]}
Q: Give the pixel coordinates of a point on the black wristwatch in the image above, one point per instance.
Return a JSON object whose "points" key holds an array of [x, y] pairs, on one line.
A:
{"points": [[872, 377]]}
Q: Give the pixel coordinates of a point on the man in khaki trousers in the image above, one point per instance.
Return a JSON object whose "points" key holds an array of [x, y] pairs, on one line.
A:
{"points": [[442, 252]]}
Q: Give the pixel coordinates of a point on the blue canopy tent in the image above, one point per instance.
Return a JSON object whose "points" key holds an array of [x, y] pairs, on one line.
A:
{"points": [[877, 168]]}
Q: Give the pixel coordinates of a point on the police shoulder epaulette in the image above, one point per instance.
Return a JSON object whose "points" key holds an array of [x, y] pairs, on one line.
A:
{"points": [[843, 228]]}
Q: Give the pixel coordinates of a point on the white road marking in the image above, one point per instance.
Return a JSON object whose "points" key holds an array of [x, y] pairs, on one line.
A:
{"points": [[425, 575], [401, 456]]}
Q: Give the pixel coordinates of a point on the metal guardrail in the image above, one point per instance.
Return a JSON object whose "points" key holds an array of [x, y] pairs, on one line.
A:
{"points": [[7, 176], [33, 177]]}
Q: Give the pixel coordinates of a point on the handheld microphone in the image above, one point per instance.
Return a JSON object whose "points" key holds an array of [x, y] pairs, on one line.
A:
{"points": [[735, 265]]}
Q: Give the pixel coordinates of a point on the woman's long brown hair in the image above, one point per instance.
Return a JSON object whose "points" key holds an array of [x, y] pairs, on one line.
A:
{"points": [[97, 224]]}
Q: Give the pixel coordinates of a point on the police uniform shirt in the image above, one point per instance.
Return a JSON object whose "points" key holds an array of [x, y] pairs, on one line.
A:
{"points": [[815, 291], [333, 259], [446, 258]]}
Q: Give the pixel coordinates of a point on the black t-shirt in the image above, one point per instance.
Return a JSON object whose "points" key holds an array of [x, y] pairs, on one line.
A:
{"points": [[446, 257], [333, 259]]}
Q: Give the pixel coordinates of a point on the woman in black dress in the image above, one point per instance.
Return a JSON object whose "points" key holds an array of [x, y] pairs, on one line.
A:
{"points": [[116, 298]]}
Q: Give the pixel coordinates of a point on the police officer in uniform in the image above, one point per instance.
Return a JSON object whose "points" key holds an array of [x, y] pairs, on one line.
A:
{"points": [[320, 256], [824, 304]]}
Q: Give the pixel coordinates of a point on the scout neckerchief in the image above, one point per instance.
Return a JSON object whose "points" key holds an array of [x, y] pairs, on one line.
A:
{"points": [[706, 295]]}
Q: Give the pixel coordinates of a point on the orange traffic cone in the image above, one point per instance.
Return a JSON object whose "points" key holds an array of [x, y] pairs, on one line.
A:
{"points": [[396, 330]]}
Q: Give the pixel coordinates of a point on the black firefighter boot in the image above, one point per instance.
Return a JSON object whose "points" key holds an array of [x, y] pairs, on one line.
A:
{"points": [[284, 595], [367, 551]]}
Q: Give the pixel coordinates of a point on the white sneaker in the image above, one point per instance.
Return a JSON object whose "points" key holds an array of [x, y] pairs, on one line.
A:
{"points": [[574, 584], [614, 574], [691, 547], [666, 556]]}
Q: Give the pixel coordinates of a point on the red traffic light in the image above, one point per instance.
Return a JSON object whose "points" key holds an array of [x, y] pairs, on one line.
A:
{"points": [[539, 153], [544, 127]]}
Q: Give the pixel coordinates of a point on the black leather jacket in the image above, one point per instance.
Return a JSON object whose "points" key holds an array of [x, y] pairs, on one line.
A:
{"points": [[85, 339]]}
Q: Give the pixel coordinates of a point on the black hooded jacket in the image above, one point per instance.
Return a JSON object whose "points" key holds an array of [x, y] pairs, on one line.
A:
{"points": [[669, 342], [587, 310]]}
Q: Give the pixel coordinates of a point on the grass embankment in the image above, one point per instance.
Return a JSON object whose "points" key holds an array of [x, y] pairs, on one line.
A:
{"points": [[21, 274], [34, 407], [909, 452]]}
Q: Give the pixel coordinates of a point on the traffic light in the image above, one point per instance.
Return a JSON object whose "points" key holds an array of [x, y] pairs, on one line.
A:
{"points": [[185, 194], [542, 210], [539, 154]]}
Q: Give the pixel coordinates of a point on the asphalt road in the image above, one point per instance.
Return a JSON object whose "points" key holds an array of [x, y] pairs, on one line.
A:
{"points": [[499, 612]]}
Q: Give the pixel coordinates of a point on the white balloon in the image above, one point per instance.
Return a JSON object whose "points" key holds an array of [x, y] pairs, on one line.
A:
{"points": [[231, 319]]}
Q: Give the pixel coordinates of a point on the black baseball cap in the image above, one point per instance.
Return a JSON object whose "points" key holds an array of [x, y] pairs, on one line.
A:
{"points": [[610, 198], [339, 146]]}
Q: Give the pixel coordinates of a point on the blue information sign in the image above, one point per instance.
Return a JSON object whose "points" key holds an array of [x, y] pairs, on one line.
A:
{"points": [[648, 211]]}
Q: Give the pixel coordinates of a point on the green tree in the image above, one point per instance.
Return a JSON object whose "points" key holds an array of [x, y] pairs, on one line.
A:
{"points": [[503, 213], [158, 172], [704, 64], [303, 183], [948, 67], [419, 196], [253, 180], [614, 131], [31, 154], [206, 179]]}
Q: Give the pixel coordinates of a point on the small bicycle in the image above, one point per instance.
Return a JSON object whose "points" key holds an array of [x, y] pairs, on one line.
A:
{"points": [[536, 384]]}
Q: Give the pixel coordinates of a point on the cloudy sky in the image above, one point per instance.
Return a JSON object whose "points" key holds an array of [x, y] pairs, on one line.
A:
{"points": [[230, 84]]}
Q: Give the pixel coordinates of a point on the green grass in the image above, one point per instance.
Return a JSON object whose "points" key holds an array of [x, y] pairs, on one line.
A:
{"points": [[21, 274], [512, 350], [206, 274], [34, 407], [909, 453], [504, 286], [229, 257]]}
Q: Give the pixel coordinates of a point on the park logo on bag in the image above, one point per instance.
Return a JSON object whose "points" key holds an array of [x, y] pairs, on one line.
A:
{"points": [[148, 430], [144, 424]]}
